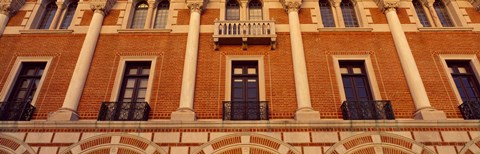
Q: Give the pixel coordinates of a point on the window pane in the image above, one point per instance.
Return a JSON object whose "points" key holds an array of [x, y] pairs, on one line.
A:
{"points": [[67, 19], [25, 83], [130, 83], [252, 70], [232, 10], [128, 93], [145, 71], [162, 14], [442, 14], [326, 14], [344, 70], [255, 10], [462, 70], [237, 71], [140, 15], [48, 15], [422, 16], [30, 71], [132, 71], [143, 83], [349, 15], [142, 93], [357, 70]]}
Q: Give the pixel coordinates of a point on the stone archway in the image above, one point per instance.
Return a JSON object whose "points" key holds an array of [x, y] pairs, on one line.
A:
{"points": [[378, 142], [114, 143], [245, 143], [12, 145]]}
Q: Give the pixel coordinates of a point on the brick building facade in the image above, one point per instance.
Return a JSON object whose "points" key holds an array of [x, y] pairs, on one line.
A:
{"points": [[239, 77]]}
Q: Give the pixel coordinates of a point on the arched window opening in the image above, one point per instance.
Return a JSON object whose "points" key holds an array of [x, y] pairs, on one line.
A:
{"points": [[442, 14], [48, 15], [140, 15], [162, 14], [348, 12], [326, 13], [255, 10], [232, 10], [422, 16], [67, 18]]}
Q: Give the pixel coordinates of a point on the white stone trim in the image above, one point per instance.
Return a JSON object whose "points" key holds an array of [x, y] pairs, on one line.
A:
{"points": [[12, 77], [474, 63], [228, 74], [121, 69], [368, 67]]}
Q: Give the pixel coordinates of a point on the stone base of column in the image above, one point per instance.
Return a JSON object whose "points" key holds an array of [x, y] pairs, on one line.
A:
{"points": [[307, 115], [183, 115], [429, 114], [63, 114]]}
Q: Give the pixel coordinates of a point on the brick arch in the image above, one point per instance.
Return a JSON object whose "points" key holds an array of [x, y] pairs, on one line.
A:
{"points": [[12, 145], [251, 142], [114, 142], [471, 147], [369, 142]]}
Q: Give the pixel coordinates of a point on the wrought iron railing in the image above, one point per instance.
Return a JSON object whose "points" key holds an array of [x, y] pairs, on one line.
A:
{"points": [[245, 110], [244, 32], [124, 111], [16, 111], [470, 109], [367, 110]]}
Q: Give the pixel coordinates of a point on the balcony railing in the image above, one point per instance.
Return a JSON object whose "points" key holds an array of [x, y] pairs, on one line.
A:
{"points": [[244, 32], [16, 111], [470, 109], [367, 110], [124, 111], [245, 110]]}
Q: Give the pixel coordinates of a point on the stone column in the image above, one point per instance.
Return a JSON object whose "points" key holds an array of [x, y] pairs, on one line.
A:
{"points": [[79, 77], [57, 15], [185, 111], [151, 10], [7, 9], [433, 13], [338, 12], [304, 111], [424, 111]]}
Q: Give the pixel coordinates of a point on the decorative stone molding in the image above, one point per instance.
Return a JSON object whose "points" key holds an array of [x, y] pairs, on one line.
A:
{"points": [[195, 7], [387, 5], [10, 7], [476, 4], [102, 5], [291, 5]]}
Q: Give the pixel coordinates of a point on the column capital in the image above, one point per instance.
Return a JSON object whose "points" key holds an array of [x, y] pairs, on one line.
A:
{"points": [[291, 5], [10, 7], [476, 4], [195, 6], [102, 6], [387, 5]]}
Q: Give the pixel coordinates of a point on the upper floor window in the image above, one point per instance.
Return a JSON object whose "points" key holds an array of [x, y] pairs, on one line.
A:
{"points": [[255, 10], [140, 15], [355, 81], [348, 13], [442, 14], [48, 15], [67, 18], [232, 10], [135, 82], [465, 80], [422, 16], [326, 13], [162, 14]]}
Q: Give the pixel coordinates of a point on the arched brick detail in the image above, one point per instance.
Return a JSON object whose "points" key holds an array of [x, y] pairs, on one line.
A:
{"points": [[471, 147], [120, 142], [370, 142], [13, 145], [254, 143]]}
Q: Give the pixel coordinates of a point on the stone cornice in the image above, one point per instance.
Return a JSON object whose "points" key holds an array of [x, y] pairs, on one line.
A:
{"points": [[387, 5], [291, 5], [10, 7], [102, 6]]}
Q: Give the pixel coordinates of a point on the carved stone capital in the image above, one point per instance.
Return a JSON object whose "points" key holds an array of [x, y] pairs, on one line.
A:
{"points": [[387, 5], [476, 4], [291, 5], [102, 6], [10, 7], [195, 6]]}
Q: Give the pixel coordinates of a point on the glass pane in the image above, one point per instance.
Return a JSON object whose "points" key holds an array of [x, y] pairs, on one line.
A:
{"points": [[30, 71], [162, 14], [252, 70], [40, 72], [349, 15], [252, 80], [232, 10], [145, 71], [128, 93], [127, 100], [143, 83], [451, 70], [344, 70], [140, 16], [140, 100], [237, 71], [357, 70], [238, 80], [462, 70], [422, 16], [67, 19], [442, 14], [326, 14], [132, 71], [130, 83], [25, 83], [142, 93], [48, 15], [255, 10]]}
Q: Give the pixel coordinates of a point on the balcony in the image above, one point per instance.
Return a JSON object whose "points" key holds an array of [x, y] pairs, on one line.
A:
{"points": [[234, 32], [124, 111], [470, 109], [16, 111], [245, 110], [367, 110]]}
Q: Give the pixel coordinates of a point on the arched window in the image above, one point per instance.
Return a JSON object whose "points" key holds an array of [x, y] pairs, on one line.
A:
{"points": [[326, 13], [67, 18], [442, 13], [162, 14], [348, 12], [140, 15], [48, 15], [422, 16], [232, 10], [255, 10]]}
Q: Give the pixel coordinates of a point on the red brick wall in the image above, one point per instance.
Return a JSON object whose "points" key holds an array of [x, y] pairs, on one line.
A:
{"points": [[378, 16], [304, 15], [403, 16], [208, 16], [112, 17], [473, 14], [279, 15], [86, 18], [17, 19], [183, 17], [63, 48]]}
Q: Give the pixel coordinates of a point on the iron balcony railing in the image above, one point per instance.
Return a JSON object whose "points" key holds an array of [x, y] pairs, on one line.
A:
{"points": [[244, 32], [367, 110], [16, 111], [470, 109], [124, 111], [245, 110]]}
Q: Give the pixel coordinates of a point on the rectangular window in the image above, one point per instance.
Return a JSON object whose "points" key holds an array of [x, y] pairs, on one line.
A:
{"points": [[355, 81], [18, 105], [135, 82], [465, 80]]}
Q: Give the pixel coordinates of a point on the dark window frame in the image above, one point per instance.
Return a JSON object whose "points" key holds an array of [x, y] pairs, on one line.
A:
{"points": [[453, 65], [326, 13], [140, 65], [350, 64]]}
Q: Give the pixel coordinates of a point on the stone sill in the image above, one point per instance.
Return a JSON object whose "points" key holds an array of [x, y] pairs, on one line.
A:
{"points": [[46, 31], [445, 29], [285, 123], [352, 29], [144, 30]]}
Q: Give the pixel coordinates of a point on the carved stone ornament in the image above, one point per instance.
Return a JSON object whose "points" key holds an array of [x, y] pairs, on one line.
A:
{"points": [[102, 5], [195, 7], [291, 5], [388, 5], [10, 7]]}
